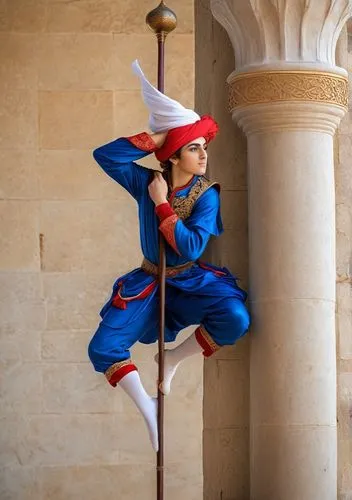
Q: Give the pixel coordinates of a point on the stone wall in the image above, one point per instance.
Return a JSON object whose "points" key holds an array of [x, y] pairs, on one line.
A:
{"points": [[226, 375], [67, 232], [343, 173]]}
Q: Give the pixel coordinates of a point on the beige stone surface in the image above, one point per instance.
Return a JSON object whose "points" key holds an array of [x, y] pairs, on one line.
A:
{"points": [[73, 175], [18, 176], [226, 468], [14, 429], [93, 482], [342, 168], [19, 346], [298, 167], [293, 469], [75, 120], [95, 395], [76, 17], [125, 122], [234, 215], [85, 238], [22, 306], [73, 300], [19, 483], [345, 468], [183, 480], [26, 17], [106, 16], [65, 346], [226, 381], [344, 303], [71, 440], [74, 61], [18, 61], [4, 21], [345, 404], [20, 247], [21, 388], [343, 236], [344, 320], [282, 397], [18, 119]]}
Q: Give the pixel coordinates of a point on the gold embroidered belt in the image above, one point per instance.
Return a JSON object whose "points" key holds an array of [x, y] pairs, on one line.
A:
{"points": [[171, 271]]}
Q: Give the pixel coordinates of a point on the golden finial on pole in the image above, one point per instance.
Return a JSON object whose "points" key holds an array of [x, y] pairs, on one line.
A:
{"points": [[162, 21]]}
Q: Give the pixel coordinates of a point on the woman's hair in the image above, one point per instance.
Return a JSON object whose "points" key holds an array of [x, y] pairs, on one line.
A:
{"points": [[167, 165]]}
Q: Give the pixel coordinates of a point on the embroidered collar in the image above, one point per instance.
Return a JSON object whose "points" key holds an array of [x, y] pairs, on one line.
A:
{"points": [[180, 190]]}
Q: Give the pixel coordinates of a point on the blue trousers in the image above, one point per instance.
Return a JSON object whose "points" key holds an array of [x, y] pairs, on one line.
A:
{"points": [[226, 319]]}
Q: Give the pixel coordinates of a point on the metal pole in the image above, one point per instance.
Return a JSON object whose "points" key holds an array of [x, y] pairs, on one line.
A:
{"points": [[161, 20]]}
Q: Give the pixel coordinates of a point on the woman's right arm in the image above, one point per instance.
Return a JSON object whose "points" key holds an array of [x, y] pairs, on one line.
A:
{"points": [[117, 159]]}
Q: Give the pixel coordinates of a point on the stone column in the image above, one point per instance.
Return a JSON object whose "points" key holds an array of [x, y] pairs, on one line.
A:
{"points": [[289, 97]]}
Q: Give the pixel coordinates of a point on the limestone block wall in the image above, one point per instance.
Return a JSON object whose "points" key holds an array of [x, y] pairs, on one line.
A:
{"points": [[226, 375], [344, 284], [67, 231]]}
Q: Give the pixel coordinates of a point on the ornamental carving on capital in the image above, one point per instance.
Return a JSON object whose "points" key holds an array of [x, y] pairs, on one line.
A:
{"points": [[265, 31], [277, 86]]}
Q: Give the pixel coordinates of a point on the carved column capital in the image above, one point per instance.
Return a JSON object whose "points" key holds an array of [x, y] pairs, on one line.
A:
{"points": [[287, 31], [285, 56]]}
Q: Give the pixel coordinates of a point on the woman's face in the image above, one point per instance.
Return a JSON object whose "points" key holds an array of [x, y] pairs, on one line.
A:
{"points": [[193, 157]]}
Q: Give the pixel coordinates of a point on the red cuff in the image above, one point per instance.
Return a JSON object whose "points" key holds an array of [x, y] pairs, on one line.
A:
{"points": [[167, 227], [118, 370], [143, 141], [206, 342], [164, 210]]}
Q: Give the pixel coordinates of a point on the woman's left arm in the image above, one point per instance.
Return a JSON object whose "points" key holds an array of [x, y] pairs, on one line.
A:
{"points": [[189, 238]]}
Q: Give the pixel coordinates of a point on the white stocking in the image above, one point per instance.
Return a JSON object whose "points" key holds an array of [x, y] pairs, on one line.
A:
{"points": [[173, 358], [148, 406]]}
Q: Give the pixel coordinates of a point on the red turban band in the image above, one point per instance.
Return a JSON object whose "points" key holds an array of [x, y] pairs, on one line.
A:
{"points": [[177, 137]]}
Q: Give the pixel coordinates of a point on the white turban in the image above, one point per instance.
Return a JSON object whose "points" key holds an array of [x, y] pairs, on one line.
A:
{"points": [[164, 113]]}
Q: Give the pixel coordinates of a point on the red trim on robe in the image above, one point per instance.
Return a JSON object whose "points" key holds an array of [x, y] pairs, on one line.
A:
{"points": [[143, 141], [208, 268], [208, 345], [121, 302], [164, 210], [167, 227], [121, 372]]}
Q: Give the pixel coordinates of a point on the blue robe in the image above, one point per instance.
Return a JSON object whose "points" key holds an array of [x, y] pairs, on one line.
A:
{"points": [[208, 296]]}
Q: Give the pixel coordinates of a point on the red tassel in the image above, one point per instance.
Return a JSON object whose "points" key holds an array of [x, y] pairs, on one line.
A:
{"points": [[119, 303]]}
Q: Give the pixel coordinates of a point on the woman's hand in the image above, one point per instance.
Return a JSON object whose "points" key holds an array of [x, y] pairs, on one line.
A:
{"points": [[159, 138], [158, 189]]}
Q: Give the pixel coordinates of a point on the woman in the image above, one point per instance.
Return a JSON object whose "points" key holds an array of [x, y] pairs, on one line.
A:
{"points": [[185, 207]]}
